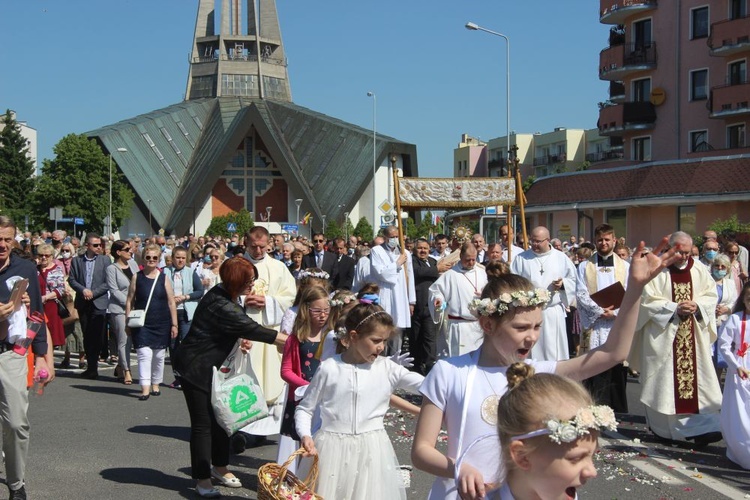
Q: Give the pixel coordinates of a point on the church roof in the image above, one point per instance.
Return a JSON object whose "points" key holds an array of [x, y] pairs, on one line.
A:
{"points": [[699, 180], [176, 154]]}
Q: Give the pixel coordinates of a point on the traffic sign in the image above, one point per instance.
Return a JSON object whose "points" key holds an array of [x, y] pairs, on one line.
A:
{"points": [[290, 228], [65, 219], [232, 227], [385, 207], [78, 221]]}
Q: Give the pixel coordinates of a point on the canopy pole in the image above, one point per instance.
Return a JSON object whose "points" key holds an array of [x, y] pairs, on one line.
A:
{"points": [[397, 197], [521, 201]]}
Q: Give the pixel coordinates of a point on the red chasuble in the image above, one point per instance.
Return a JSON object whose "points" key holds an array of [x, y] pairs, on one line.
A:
{"points": [[683, 347]]}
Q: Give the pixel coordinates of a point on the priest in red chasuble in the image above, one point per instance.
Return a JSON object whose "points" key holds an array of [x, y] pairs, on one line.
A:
{"points": [[672, 350]]}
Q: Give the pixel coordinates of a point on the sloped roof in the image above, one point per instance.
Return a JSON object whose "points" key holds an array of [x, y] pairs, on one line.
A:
{"points": [[712, 179], [325, 160]]}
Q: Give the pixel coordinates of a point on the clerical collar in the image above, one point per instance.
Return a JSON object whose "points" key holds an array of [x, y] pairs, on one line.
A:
{"points": [[605, 260], [675, 269], [250, 258]]}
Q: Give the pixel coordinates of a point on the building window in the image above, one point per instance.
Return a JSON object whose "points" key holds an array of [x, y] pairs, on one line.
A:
{"points": [[737, 9], [736, 136], [242, 85], [203, 86], [642, 33], [737, 73], [699, 85], [686, 219], [699, 141], [617, 219], [641, 90], [642, 149], [699, 22]]}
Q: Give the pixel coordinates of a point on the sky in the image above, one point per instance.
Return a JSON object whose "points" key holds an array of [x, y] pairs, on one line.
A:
{"points": [[75, 65]]}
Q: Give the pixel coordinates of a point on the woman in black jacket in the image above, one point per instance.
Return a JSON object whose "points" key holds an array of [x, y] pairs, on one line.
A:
{"points": [[217, 325]]}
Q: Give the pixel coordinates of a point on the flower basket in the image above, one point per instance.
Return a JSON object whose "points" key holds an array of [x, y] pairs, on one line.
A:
{"points": [[275, 482]]}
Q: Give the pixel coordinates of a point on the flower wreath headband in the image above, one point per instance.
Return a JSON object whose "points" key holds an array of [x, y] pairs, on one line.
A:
{"points": [[345, 299], [595, 417], [307, 274], [501, 305]]}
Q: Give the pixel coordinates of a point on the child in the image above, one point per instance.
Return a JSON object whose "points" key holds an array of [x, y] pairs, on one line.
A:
{"points": [[307, 278], [298, 363], [351, 391], [549, 428], [341, 303], [735, 420], [464, 391]]}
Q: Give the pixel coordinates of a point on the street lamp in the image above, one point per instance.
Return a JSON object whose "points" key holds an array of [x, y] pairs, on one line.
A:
{"points": [[149, 218], [109, 224], [374, 154], [268, 214], [346, 225], [475, 27], [298, 202], [324, 223]]}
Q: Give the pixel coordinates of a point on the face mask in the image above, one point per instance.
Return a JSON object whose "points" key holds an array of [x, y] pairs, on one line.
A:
{"points": [[65, 255], [719, 273], [710, 254], [392, 242]]}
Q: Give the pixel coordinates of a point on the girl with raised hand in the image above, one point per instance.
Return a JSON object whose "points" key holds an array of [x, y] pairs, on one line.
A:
{"points": [[351, 391], [734, 338], [464, 391], [549, 428]]}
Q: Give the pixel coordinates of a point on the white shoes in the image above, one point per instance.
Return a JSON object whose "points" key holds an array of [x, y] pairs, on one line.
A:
{"points": [[207, 492], [229, 482]]}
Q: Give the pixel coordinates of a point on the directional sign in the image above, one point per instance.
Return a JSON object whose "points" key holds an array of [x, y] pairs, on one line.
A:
{"points": [[65, 219], [290, 228], [232, 227], [78, 221]]}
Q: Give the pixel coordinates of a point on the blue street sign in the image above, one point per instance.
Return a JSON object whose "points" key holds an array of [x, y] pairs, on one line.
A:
{"points": [[290, 228], [78, 221], [65, 219], [232, 227]]}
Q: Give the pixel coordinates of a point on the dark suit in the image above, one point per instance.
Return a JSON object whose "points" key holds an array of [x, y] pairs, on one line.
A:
{"points": [[424, 330], [343, 273], [91, 313], [329, 260]]}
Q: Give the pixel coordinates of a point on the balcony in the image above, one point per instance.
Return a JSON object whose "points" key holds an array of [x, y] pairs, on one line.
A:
{"points": [[618, 61], [730, 36], [617, 11], [548, 159], [729, 101], [616, 91], [604, 156], [620, 118]]}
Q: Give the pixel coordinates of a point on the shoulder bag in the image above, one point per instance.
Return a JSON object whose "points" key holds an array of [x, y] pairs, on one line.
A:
{"points": [[137, 317]]}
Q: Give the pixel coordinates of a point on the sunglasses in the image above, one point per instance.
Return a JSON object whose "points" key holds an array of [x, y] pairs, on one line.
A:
{"points": [[150, 258], [45, 255], [319, 241], [95, 245], [214, 257], [733, 253]]}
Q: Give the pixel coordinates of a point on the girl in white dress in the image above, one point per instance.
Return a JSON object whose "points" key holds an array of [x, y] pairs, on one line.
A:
{"points": [[351, 391], [549, 428], [463, 392], [735, 407]]}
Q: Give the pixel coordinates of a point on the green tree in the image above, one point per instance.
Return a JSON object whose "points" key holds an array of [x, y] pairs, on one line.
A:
{"points": [[349, 229], [77, 179], [333, 230], [16, 170], [412, 231], [426, 227], [218, 226], [528, 182], [363, 230]]}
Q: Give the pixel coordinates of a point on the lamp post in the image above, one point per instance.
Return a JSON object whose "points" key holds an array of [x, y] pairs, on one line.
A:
{"points": [[346, 226], [298, 202], [374, 155], [149, 218], [475, 27], [268, 215], [109, 223], [324, 223]]}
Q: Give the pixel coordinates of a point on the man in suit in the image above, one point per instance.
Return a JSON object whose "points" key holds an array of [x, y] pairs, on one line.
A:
{"points": [[423, 329], [88, 277], [319, 257], [343, 269]]}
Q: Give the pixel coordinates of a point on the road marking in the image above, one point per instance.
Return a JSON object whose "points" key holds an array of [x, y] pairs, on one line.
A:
{"points": [[671, 465]]}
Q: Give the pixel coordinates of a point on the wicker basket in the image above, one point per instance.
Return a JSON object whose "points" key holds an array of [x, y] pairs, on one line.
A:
{"points": [[275, 482]]}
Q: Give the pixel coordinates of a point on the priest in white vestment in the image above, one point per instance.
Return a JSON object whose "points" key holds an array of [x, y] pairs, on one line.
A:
{"points": [[389, 268], [552, 270], [450, 297], [672, 350], [274, 292], [602, 270]]}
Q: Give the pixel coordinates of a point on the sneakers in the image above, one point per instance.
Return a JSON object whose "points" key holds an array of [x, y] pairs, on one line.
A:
{"points": [[19, 494]]}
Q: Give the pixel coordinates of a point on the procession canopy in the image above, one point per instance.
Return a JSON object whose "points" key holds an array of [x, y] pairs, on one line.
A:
{"points": [[457, 193]]}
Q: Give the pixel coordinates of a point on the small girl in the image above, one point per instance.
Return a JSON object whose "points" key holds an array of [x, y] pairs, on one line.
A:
{"points": [[351, 391], [463, 392], [341, 303], [298, 363], [549, 429], [307, 278], [735, 420]]}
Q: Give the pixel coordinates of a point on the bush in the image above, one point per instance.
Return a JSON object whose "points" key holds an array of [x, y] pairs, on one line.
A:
{"points": [[242, 219]]}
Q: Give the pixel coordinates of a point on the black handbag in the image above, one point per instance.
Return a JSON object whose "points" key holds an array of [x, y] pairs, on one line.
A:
{"points": [[62, 310]]}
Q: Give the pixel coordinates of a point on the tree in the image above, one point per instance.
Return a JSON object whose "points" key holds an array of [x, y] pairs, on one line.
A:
{"points": [[411, 229], [77, 179], [219, 224], [363, 229], [16, 170], [333, 230]]}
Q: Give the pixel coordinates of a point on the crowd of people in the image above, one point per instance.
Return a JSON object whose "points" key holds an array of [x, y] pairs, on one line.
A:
{"points": [[327, 324]]}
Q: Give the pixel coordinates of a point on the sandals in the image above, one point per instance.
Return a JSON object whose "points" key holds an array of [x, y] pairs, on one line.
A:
{"points": [[127, 378], [229, 482]]}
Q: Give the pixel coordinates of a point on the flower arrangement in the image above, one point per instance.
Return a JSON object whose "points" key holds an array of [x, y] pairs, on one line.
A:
{"points": [[340, 333], [595, 417], [313, 274], [342, 300], [500, 305]]}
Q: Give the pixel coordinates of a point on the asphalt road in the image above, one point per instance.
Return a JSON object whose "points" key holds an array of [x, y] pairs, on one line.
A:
{"points": [[95, 440]]}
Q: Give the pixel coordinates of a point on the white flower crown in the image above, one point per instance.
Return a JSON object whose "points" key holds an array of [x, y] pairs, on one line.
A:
{"points": [[595, 417], [500, 305], [315, 274], [340, 333], [347, 299]]}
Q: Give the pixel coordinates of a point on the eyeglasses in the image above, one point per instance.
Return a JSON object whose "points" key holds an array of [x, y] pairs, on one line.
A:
{"points": [[536, 242], [45, 255], [214, 257], [315, 310], [734, 253], [150, 258], [319, 241]]}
